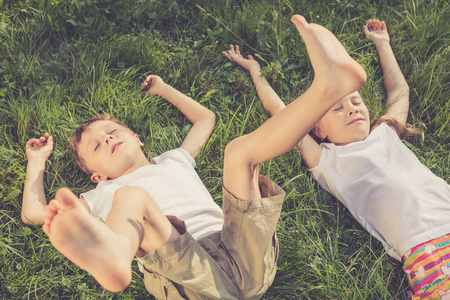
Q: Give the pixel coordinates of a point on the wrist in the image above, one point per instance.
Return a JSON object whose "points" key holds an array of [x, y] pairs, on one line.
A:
{"points": [[37, 162], [382, 44], [255, 72], [161, 89]]}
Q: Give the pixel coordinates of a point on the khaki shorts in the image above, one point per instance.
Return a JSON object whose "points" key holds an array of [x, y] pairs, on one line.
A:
{"points": [[238, 262]]}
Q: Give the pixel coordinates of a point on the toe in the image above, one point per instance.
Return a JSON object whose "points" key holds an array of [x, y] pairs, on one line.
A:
{"points": [[66, 198], [299, 20]]}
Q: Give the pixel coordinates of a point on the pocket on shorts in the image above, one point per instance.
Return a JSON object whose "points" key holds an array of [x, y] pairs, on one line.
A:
{"points": [[161, 287]]}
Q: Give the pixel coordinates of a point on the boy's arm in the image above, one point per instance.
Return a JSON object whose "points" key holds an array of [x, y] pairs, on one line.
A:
{"points": [[34, 203], [397, 88], [203, 120], [269, 99], [310, 150]]}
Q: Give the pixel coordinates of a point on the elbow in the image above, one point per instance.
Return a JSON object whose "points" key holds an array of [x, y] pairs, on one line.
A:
{"points": [[211, 117], [29, 218], [209, 120], [25, 219]]}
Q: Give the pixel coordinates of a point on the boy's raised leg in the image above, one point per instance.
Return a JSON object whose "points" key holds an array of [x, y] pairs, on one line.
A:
{"points": [[336, 75], [252, 203], [107, 250]]}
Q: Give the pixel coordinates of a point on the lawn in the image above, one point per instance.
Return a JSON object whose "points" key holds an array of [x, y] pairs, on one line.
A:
{"points": [[63, 62]]}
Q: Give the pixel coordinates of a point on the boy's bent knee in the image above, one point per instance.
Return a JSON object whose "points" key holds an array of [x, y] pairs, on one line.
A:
{"points": [[237, 151]]}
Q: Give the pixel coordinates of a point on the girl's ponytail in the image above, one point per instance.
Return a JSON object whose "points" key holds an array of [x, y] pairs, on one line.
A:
{"points": [[401, 129]]}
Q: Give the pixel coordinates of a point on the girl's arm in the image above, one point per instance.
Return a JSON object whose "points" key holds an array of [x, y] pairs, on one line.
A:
{"points": [[311, 151], [203, 120], [34, 203], [397, 88]]}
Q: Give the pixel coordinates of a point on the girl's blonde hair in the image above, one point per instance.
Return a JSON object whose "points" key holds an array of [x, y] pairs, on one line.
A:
{"points": [[401, 129]]}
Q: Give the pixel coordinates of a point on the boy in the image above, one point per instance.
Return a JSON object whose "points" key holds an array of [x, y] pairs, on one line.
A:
{"points": [[238, 262]]}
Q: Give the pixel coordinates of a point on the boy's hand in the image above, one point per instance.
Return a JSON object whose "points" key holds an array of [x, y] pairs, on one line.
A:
{"points": [[152, 85], [39, 148], [376, 30], [249, 63]]}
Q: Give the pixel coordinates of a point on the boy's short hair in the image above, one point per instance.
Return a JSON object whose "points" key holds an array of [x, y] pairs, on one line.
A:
{"points": [[75, 138]]}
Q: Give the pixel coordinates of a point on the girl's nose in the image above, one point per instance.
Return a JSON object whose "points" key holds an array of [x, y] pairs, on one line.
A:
{"points": [[352, 110]]}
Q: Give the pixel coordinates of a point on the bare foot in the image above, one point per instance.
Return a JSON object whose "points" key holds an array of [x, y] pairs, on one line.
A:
{"points": [[334, 70], [87, 242]]}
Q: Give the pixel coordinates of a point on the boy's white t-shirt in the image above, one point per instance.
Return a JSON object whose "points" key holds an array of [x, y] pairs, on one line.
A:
{"points": [[174, 185], [387, 189]]}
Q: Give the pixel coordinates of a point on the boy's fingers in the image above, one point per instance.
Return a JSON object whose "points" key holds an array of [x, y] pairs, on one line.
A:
{"points": [[366, 31], [30, 143]]}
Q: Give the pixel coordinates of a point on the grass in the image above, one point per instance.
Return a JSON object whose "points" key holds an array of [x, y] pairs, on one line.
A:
{"points": [[62, 62]]}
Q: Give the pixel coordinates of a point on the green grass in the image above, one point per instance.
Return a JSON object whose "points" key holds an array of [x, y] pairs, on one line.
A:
{"points": [[62, 62]]}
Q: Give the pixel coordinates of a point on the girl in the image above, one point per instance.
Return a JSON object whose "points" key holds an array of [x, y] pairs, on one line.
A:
{"points": [[385, 187]]}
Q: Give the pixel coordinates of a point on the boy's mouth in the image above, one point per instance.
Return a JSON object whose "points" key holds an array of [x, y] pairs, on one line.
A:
{"points": [[115, 146]]}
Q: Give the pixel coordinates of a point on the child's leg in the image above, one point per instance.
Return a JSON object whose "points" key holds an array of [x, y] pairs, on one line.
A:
{"points": [[250, 220], [107, 250], [336, 75]]}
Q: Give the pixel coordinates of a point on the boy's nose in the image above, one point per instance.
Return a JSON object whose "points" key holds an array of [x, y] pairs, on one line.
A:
{"points": [[108, 137]]}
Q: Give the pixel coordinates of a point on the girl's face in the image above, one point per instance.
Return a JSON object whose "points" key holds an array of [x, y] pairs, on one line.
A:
{"points": [[346, 122]]}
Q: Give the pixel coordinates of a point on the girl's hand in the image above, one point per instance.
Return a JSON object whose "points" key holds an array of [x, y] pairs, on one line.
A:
{"points": [[39, 148], [376, 30], [152, 85], [249, 63]]}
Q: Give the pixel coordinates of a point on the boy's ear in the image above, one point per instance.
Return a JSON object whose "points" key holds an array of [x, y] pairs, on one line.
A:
{"points": [[96, 177], [318, 131], [139, 141]]}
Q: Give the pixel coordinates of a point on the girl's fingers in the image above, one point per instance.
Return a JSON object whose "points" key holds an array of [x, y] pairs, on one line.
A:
{"points": [[226, 55]]}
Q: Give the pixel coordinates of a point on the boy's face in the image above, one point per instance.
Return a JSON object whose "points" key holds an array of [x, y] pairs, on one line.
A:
{"points": [[110, 150], [346, 122]]}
